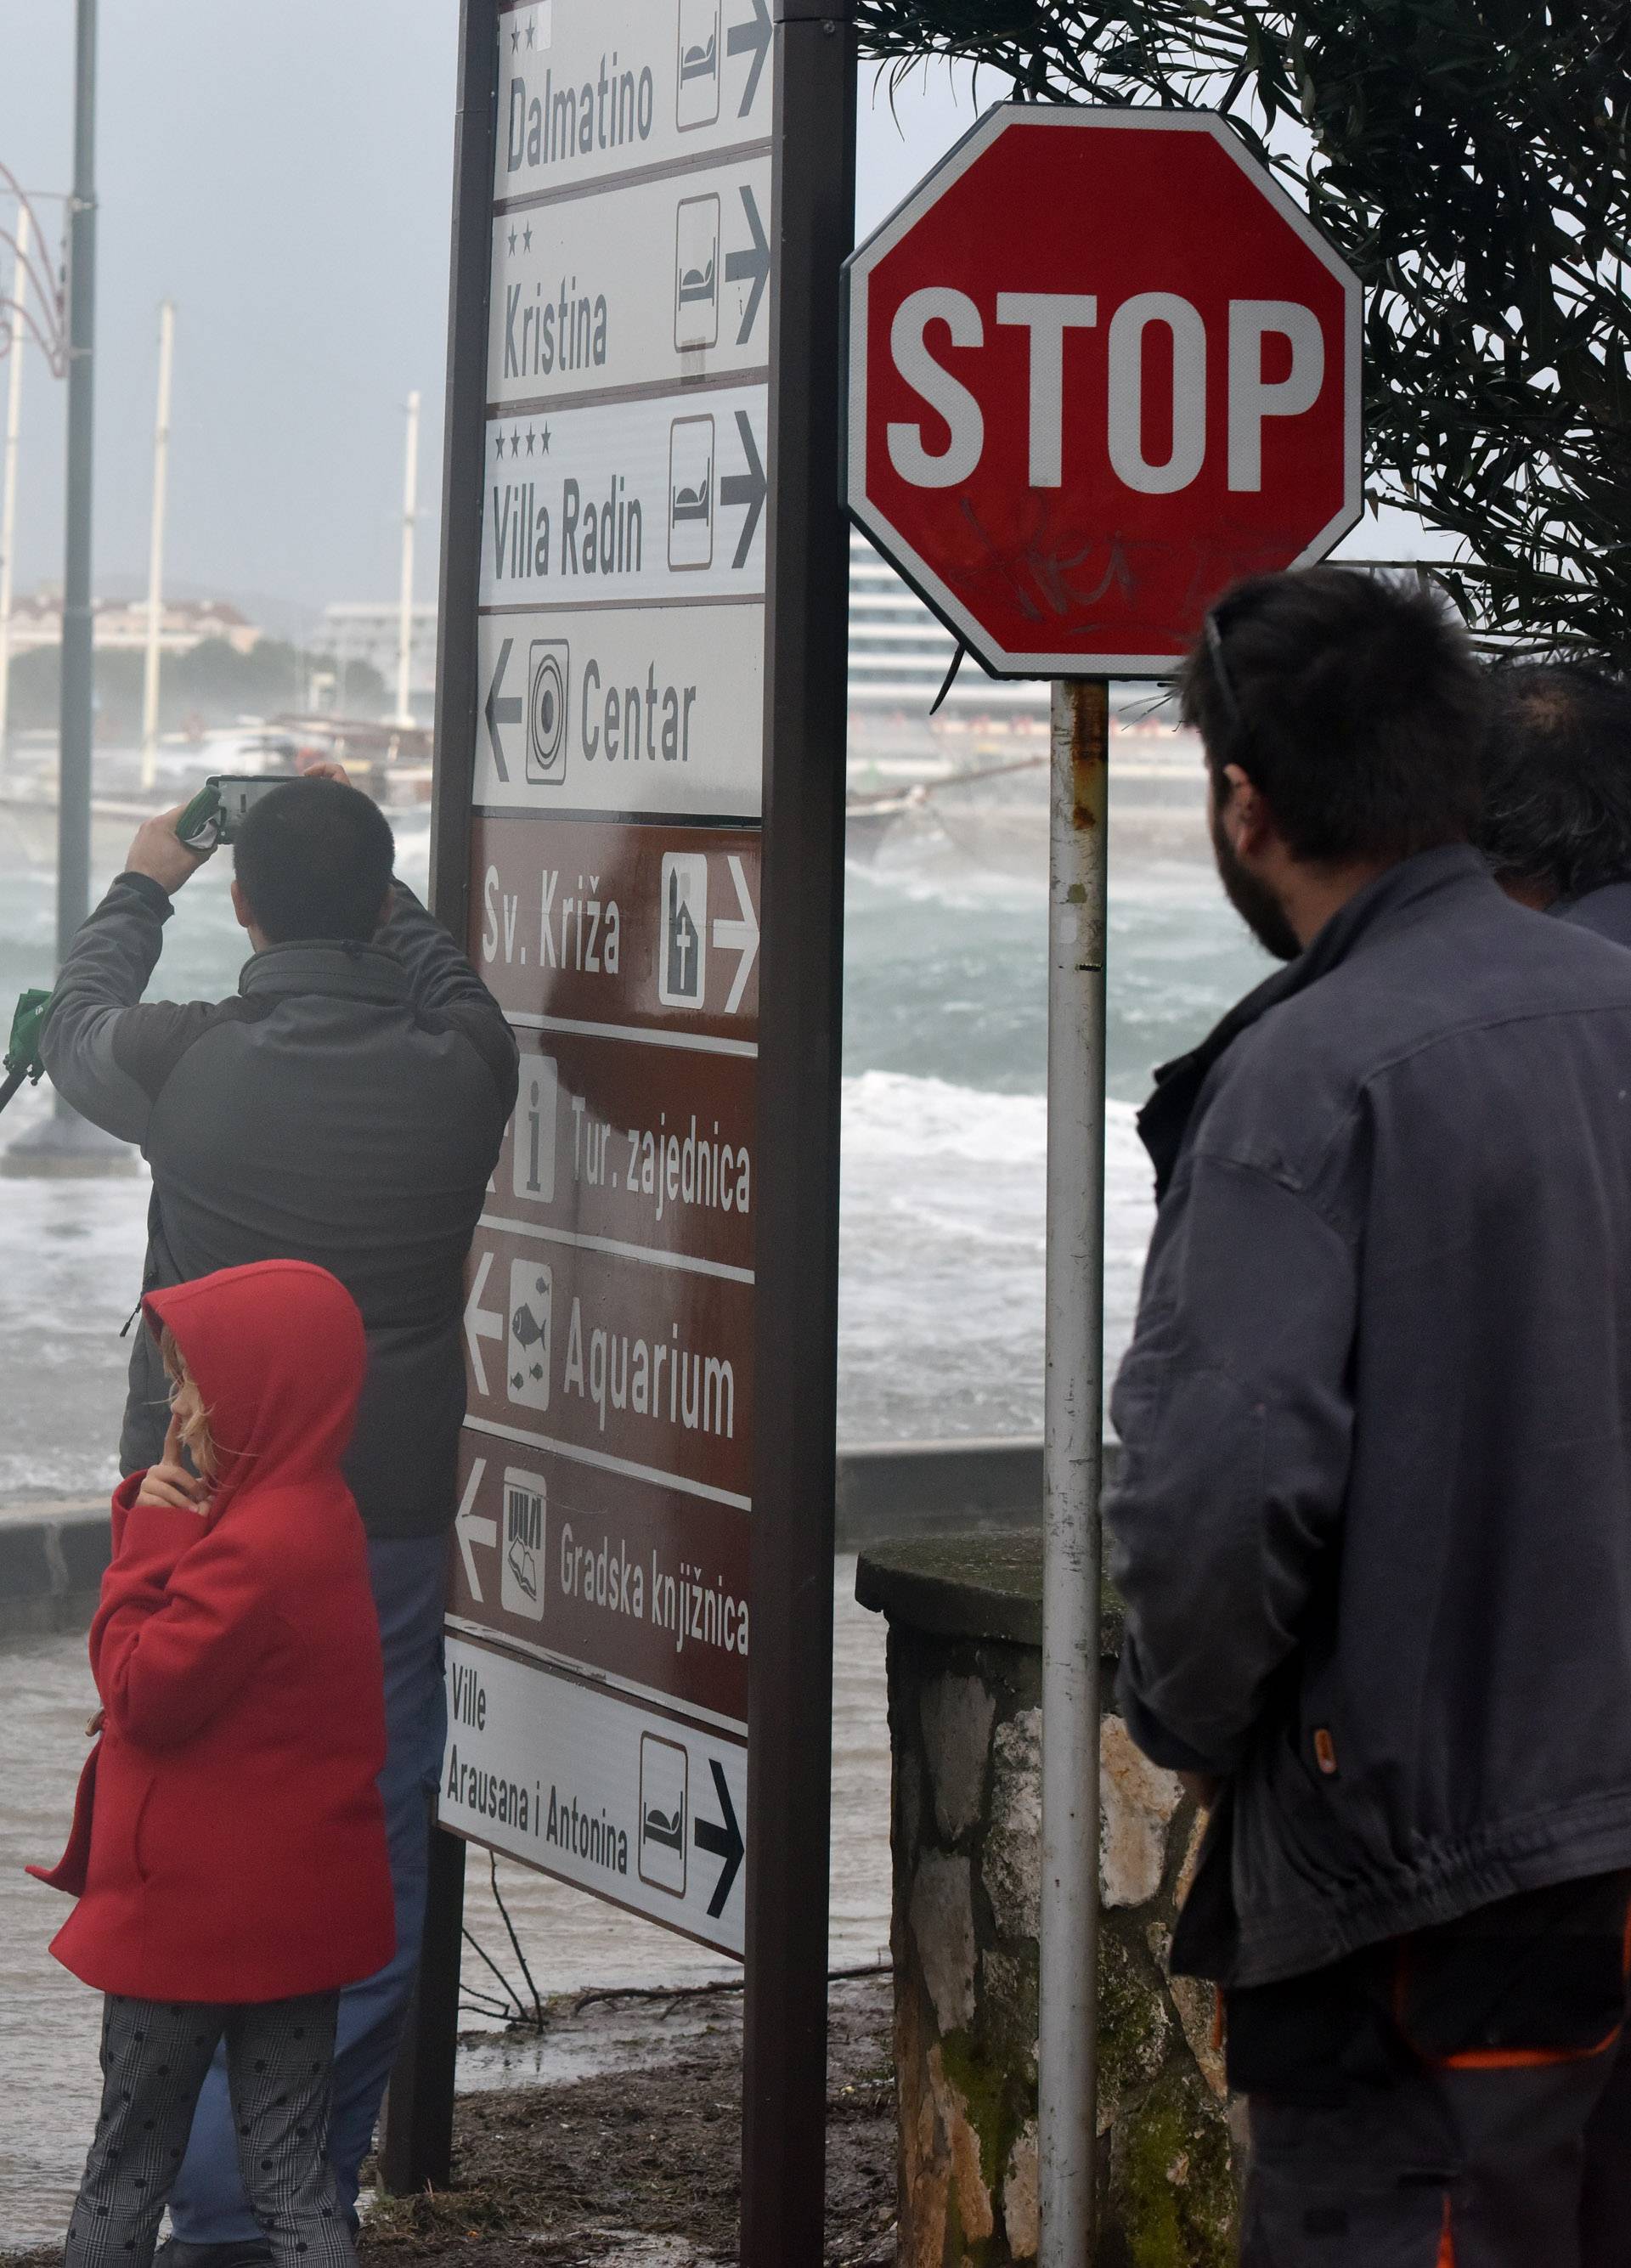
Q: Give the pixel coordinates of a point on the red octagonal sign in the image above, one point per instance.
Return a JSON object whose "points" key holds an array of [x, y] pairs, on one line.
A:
{"points": [[1099, 367]]}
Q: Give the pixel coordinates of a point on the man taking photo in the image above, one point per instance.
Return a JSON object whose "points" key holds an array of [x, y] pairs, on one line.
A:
{"points": [[1374, 1524], [345, 1106]]}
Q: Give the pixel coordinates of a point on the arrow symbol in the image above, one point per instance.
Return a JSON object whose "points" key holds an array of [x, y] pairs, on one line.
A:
{"points": [[741, 936], [754, 263], [721, 1842], [472, 1529], [747, 488], [481, 1323], [752, 38], [508, 712]]}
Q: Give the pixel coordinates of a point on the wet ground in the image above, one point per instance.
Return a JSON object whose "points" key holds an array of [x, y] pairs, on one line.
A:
{"points": [[637, 2163], [643, 2165]]}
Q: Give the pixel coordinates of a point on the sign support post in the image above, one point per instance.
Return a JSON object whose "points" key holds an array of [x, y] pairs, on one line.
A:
{"points": [[416, 2147], [637, 825], [1072, 1464], [785, 2035]]}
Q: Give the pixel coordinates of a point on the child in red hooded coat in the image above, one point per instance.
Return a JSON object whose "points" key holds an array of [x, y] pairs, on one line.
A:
{"points": [[229, 1849]]}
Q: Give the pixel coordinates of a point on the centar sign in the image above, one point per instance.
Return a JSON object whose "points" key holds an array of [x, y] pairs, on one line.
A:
{"points": [[1099, 367]]}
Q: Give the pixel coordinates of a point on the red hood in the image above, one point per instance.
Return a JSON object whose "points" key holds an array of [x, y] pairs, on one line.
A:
{"points": [[279, 1353]]}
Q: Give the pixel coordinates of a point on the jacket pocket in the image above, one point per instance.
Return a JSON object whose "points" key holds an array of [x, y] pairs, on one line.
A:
{"points": [[139, 1831]]}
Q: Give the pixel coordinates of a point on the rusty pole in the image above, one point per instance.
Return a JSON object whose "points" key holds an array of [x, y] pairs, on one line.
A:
{"points": [[1072, 1465]]}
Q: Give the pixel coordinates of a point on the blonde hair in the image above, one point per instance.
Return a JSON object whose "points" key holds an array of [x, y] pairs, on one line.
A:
{"points": [[195, 1435]]}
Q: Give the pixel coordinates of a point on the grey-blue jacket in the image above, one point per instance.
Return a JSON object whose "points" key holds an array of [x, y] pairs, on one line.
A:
{"points": [[1373, 1527]]}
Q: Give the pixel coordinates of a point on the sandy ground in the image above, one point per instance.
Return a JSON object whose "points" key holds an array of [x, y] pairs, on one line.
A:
{"points": [[638, 2166]]}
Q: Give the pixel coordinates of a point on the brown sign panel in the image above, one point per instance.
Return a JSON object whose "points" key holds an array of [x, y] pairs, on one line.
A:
{"points": [[613, 1575], [621, 1141], [624, 1365], [608, 923]]}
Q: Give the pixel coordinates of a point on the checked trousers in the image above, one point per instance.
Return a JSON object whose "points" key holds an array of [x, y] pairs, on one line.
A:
{"points": [[280, 2072]]}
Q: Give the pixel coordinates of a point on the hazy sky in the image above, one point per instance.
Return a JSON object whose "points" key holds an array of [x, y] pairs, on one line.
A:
{"points": [[283, 172]]}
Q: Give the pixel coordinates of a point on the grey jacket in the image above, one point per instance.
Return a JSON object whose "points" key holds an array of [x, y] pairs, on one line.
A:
{"points": [[346, 1107], [1373, 1527], [1606, 910]]}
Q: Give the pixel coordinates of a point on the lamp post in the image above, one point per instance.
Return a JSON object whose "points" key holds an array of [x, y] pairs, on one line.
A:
{"points": [[64, 1143], [8, 494]]}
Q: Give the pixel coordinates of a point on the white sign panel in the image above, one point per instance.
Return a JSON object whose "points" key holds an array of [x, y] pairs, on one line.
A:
{"points": [[592, 88], [624, 710], [645, 285], [659, 498], [623, 1801]]}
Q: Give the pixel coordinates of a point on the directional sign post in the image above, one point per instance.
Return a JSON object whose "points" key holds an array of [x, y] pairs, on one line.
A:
{"points": [[1099, 368], [638, 827]]}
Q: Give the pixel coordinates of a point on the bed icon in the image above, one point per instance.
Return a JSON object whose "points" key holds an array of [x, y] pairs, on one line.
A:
{"points": [[690, 493], [665, 1806], [697, 94], [697, 273]]}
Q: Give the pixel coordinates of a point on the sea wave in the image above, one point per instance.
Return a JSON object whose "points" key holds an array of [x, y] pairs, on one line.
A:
{"points": [[943, 1255]]}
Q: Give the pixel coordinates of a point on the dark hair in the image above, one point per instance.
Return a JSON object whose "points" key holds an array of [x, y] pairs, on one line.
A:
{"points": [[1557, 776], [1353, 704], [314, 859]]}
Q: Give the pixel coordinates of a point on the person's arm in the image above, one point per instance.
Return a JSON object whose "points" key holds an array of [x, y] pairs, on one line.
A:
{"points": [[106, 1055], [1235, 1418], [184, 1621], [445, 983]]}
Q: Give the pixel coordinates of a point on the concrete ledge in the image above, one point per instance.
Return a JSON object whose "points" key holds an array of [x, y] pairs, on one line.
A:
{"points": [[914, 1488], [976, 1486], [52, 1556]]}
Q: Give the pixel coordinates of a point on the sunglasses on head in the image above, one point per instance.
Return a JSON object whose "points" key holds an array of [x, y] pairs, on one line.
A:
{"points": [[1213, 636]]}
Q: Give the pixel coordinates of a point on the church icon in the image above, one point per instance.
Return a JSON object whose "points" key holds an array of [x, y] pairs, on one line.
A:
{"points": [[683, 948]]}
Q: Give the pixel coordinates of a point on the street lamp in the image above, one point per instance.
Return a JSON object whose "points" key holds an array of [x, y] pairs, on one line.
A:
{"points": [[66, 1143]]}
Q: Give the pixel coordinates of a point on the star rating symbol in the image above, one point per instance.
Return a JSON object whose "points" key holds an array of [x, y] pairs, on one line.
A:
{"points": [[532, 30], [515, 37], [527, 238], [544, 438], [512, 243], [515, 443], [498, 449], [531, 437]]}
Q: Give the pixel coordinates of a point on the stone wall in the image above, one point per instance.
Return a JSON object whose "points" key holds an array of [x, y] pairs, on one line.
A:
{"points": [[965, 1722]]}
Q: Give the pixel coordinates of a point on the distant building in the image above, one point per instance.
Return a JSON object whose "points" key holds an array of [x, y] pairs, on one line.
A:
{"points": [[120, 625], [359, 630], [899, 653]]}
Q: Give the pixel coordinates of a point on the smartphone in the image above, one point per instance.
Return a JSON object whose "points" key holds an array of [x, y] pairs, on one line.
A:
{"points": [[218, 810]]}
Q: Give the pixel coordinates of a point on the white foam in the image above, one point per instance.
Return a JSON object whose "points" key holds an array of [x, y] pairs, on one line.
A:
{"points": [[943, 1255]]}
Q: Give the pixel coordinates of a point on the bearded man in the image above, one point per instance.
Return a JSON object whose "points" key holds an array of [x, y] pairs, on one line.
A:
{"points": [[1373, 1527]]}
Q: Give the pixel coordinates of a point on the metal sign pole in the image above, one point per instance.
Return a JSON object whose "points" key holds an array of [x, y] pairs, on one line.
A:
{"points": [[790, 1750], [417, 2147], [1073, 1466]]}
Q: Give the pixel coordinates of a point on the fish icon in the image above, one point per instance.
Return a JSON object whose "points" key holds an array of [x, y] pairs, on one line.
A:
{"points": [[531, 1305]]}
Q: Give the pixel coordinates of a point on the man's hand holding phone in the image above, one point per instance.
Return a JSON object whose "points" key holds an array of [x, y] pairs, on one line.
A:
{"points": [[159, 853]]}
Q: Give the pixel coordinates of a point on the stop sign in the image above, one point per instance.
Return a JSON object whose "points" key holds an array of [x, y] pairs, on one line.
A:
{"points": [[1099, 367]]}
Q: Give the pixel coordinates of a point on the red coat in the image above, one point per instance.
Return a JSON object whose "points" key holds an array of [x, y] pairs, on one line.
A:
{"points": [[229, 1841]]}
